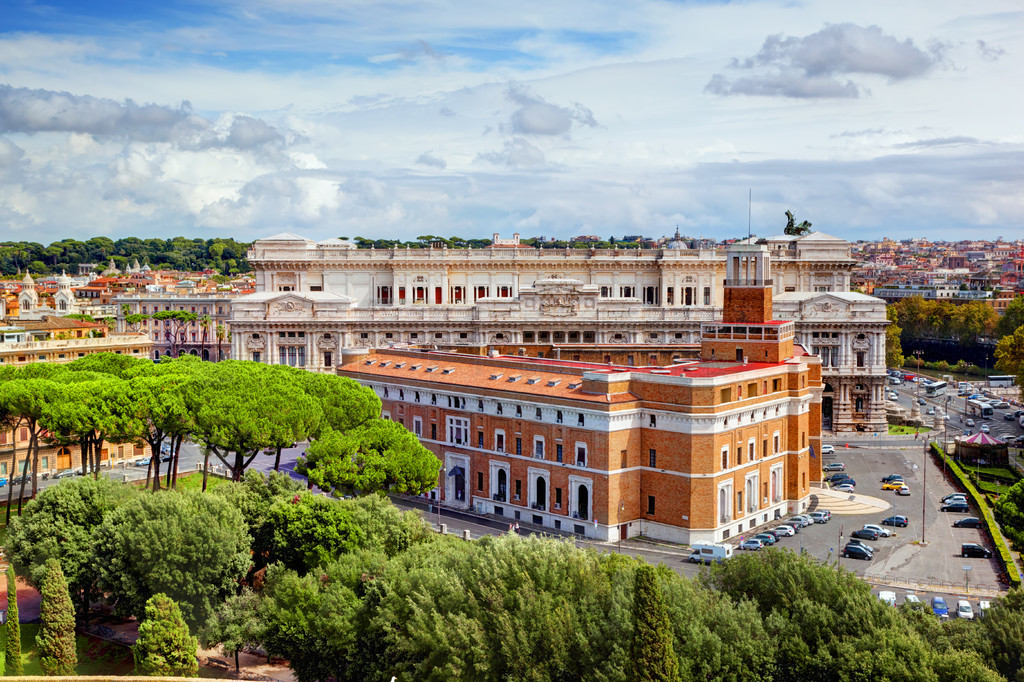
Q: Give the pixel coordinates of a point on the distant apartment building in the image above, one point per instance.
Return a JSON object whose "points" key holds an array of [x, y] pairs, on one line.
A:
{"points": [[58, 339], [208, 337], [702, 450]]}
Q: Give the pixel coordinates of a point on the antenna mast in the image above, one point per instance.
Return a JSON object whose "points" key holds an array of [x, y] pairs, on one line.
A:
{"points": [[750, 195]]}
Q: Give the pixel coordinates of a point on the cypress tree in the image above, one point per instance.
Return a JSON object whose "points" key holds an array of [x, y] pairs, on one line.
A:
{"points": [[13, 648], [652, 658], [56, 638], [165, 646]]}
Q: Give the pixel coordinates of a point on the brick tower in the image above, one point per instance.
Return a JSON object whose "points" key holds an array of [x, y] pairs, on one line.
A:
{"points": [[747, 332]]}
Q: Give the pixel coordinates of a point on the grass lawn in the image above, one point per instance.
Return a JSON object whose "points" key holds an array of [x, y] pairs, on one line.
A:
{"points": [[95, 656], [194, 481], [899, 430], [999, 472]]}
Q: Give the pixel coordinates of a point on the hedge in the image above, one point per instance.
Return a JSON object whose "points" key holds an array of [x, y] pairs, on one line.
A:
{"points": [[983, 505]]}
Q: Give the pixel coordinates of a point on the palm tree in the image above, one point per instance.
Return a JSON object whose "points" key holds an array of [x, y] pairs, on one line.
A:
{"points": [[204, 323], [221, 335]]}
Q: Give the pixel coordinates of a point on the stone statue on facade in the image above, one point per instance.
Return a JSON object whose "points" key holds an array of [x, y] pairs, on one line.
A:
{"points": [[796, 230]]}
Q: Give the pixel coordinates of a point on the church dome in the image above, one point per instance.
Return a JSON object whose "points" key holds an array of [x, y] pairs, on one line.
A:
{"points": [[677, 242]]}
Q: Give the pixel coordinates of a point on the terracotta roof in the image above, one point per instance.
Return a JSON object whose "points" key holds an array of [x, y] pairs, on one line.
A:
{"points": [[53, 322], [445, 370]]}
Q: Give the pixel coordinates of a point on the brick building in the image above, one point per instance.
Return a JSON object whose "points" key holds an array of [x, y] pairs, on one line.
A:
{"points": [[700, 450]]}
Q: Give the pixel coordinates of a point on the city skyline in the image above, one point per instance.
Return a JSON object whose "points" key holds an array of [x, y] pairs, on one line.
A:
{"points": [[392, 121]]}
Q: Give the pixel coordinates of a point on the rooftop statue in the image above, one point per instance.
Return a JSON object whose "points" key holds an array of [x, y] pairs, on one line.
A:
{"points": [[796, 230]]}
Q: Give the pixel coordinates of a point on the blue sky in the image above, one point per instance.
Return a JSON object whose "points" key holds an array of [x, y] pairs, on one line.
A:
{"points": [[402, 118]]}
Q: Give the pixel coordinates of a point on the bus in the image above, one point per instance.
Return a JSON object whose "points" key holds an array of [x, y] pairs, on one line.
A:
{"points": [[1001, 381], [934, 389], [977, 408]]}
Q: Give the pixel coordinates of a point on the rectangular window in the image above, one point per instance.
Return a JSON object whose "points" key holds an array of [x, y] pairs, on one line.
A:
{"points": [[725, 395], [775, 443], [581, 454], [458, 430], [650, 504], [579, 420], [538, 447], [558, 452], [519, 488], [725, 457], [480, 439], [417, 426], [537, 414], [558, 498], [751, 452], [519, 446], [707, 295], [499, 441], [479, 480], [433, 432], [652, 458], [558, 417], [256, 356]]}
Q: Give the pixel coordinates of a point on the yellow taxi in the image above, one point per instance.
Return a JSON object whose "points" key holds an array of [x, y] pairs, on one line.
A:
{"points": [[892, 485]]}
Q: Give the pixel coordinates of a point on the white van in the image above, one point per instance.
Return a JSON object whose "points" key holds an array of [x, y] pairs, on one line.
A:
{"points": [[964, 610], [707, 553], [895, 381]]}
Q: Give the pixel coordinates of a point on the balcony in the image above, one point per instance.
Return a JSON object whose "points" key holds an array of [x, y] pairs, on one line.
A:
{"points": [[498, 497], [538, 506]]}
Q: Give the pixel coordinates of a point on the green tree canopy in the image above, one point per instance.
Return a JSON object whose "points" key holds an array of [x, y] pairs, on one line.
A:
{"points": [[377, 455], [12, 647], [190, 546], [59, 525], [165, 648], [56, 639], [652, 657]]}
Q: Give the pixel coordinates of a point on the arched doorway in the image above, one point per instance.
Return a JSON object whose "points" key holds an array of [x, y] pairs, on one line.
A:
{"points": [[63, 458], [206, 354], [583, 502], [502, 484], [723, 505], [541, 493], [156, 355], [827, 407]]}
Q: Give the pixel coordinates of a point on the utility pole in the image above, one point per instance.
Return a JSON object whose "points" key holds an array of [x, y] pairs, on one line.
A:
{"points": [[924, 488]]}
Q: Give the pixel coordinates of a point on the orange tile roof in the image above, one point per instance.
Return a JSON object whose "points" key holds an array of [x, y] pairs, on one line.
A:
{"points": [[529, 381]]}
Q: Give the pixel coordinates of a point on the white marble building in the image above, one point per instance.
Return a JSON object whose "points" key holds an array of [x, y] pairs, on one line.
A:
{"points": [[314, 299]]}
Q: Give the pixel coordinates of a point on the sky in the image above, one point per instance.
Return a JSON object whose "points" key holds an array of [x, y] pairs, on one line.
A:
{"points": [[402, 118]]}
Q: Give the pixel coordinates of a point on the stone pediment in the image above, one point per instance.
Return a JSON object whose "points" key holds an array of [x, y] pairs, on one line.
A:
{"points": [[825, 307], [289, 306]]}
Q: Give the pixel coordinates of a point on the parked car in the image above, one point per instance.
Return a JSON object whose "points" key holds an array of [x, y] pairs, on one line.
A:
{"points": [[893, 477], [819, 516], [857, 552], [969, 522], [766, 538], [861, 543], [847, 480], [798, 521], [974, 550], [865, 534], [983, 607], [964, 610], [884, 532], [751, 544], [955, 507], [904, 490], [939, 607], [921, 401], [844, 488], [887, 597], [968, 432], [1001, 405], [828, 449], [898, 521], [827, 513], [142, 462], [913, 601], [954, 496], [969, 423], [786, 530], [69, 473], [834, 466], [892, 485], [984, 428], [1009, 416], [3, 481]]}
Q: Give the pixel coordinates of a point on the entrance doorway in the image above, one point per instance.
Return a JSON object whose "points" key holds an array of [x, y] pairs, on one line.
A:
{"points": [[827, 407]]}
